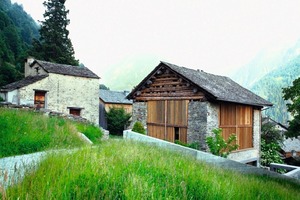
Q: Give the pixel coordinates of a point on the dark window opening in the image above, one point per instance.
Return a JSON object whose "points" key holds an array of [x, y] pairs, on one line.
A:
{"points": [[75, 111], [176, 133], [39, 99]]}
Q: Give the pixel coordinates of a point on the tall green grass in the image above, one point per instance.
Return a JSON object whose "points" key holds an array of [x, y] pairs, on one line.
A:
{"points": [[120, 169], [23, 132]]}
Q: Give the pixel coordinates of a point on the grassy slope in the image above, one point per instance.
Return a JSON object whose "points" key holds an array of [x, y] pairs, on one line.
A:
{"points": [[24, 132], [127, 170]]}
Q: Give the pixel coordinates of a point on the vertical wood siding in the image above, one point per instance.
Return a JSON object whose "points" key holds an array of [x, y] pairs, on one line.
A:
{"points": [[166, 115], [237, 119]]}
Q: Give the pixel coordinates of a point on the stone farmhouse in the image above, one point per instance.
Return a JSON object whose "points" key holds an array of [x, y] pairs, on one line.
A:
{"points": [[177, 103], [109, 99], [56, 87]]}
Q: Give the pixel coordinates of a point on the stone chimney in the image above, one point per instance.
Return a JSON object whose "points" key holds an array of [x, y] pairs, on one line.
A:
{"points": [[28, 69]]}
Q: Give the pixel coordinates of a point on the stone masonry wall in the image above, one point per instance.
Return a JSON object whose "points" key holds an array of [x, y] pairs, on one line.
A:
{"points": [[139, 113], [202, 118], [66, 91]]}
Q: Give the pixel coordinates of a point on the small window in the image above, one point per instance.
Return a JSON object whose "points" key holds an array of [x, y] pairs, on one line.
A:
{"points": [[39, 99], [75, 111], [176, 133]]}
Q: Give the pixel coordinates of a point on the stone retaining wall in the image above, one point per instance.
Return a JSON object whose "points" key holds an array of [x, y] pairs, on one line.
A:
{"points": [[203, 156]]}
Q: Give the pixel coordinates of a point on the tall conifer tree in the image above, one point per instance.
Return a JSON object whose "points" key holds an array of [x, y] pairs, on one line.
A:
{"points": [[54, 44]]}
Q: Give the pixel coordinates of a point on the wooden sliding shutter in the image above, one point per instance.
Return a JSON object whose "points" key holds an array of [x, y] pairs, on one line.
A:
{"points": [[167, 119], [237, 119]]}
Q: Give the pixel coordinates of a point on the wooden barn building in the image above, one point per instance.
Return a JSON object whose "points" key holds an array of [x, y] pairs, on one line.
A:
{"points": [[177, 103]]}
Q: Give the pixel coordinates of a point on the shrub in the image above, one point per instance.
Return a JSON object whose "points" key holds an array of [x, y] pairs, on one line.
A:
{"points": [[270, 145], [139, 128], [117, 120], [218, 146], [1, 99], [193, 145]]}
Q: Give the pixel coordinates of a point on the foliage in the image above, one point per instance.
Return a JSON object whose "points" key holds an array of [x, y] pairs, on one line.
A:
{"points": [[103, 87], [91, 131], [270, 144], [34, 132], [270, 153], [292, 94], [117, 120], [193, 145], [270, 134], [218, 146], [1, 99], [270, 87], [138, 127], [54, 44], [121, 169], [17, 30]]}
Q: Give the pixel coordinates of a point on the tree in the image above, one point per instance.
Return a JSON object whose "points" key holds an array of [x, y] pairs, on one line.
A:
{"points": [[270, 144], [117, 120], [54, 44], [292, 94], [103, 87]]}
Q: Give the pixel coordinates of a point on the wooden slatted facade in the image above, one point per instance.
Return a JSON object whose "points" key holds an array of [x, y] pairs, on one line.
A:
{"points": [[167, 119], [167, 96], [237, 119]]}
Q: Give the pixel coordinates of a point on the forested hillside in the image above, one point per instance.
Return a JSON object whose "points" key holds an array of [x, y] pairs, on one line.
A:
{"points": [[17, 30], [268, 73], [270, 88]]}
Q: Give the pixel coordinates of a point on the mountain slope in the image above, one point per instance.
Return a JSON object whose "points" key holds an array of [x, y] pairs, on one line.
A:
{"points": [[17, 30]]}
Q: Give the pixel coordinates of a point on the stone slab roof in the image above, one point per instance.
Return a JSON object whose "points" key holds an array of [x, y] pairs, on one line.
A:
{"points": [[117, 97], [22, 83], [65, 69], [220, 88]]}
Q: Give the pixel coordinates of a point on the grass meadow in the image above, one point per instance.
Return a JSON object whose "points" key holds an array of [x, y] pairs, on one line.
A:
{"points": [[120, 169], [23, 132]]}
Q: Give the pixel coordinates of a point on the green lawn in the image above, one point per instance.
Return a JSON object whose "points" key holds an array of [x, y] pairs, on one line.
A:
{"points": [[121, 169], [23, 132]]}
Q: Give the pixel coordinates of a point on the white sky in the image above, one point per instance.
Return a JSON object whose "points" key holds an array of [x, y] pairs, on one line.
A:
{"points": [[217, 36]]}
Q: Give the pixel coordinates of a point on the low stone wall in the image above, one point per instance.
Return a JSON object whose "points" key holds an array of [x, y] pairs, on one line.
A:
{"points": [[45, 111], [203, 156]]}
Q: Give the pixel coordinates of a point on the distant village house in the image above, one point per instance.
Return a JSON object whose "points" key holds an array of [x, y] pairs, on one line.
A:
{"points": [[56, 87], [109, 99], [177, 103]]}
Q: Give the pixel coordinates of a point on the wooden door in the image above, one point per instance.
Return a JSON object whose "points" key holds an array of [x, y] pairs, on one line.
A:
{"points": [[167, 119]]}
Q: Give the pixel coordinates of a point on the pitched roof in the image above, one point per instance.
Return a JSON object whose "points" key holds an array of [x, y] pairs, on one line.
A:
{"points": [[65, 69], [22, 83], [109, 96], [220, 88]]}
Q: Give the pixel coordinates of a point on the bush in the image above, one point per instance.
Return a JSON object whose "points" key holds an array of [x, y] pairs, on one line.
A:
{"points": [[139, 128], [1, 99], [270, 145], [193, 145], [117, 120], [218, 146]]}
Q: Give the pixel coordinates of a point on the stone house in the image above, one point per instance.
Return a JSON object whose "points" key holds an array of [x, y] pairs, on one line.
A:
{"points": [[56, 87], [177, 103], [109, 99]]}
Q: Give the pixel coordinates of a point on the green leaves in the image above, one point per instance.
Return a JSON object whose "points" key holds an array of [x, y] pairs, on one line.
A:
{"points": [[117, 120], [292, 94], [54, 44], [219, 146]]}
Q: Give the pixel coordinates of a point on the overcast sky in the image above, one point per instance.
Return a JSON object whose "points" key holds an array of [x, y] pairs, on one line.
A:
{"points": [[216, 36]]}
